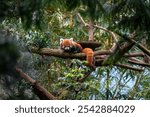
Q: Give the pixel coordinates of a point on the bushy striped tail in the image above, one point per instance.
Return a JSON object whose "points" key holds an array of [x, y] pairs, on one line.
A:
{"points": [[89, 56]]}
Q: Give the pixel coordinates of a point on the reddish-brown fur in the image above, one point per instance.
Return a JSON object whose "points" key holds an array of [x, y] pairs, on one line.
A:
{"points": [[89, 55], [88, 51]]}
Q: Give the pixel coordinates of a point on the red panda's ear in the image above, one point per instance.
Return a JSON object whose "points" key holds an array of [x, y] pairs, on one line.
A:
{"points": [[61, 40], [71, 39]]}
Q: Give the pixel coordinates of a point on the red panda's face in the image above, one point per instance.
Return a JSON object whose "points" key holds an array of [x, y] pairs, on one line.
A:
{"points": [[66, 44]]}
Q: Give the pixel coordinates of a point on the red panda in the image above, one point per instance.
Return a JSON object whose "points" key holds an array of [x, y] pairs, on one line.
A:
{"points": [[68, 45]]}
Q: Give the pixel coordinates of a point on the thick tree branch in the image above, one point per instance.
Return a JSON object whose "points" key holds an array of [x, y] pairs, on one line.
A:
{"points": [[100, 57], [57, 53], [41, 92], [61, 54]]}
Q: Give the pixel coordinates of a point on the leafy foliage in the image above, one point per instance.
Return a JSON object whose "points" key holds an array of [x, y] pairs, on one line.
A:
{"points": [[58, 18], [30, 11]]}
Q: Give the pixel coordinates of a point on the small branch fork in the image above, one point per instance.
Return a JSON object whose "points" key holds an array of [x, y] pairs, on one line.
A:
{"points": [[91, 26]]}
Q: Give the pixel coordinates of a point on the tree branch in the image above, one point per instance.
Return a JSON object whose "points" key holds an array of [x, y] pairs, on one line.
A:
{"points": [[129, 67], [139, 63], [102, 28], [85, 24], [100, 61], [96, 26], [91, 31], [57, 53], [118, 53], [140, 46], [100, 56], [132, 93], [39, 90], [140, 54]]}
